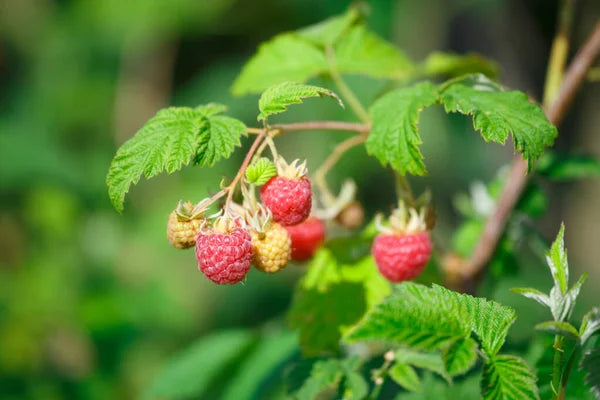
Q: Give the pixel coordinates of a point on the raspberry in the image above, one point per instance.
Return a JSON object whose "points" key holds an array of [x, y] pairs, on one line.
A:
{"points": [[401, 257], [272, 249], [182, 230], [306, 238], [290, 200], [224, 257]]}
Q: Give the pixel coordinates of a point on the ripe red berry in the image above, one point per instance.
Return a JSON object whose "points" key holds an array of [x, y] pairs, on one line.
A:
{"points": [[224, 257], [401, 257], [306, 238], [289, 199]]}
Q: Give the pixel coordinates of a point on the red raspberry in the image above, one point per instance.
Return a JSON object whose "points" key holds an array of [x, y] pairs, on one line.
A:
{"points": [[401, 257], [224, 257], [306, 238], [290, 200]]}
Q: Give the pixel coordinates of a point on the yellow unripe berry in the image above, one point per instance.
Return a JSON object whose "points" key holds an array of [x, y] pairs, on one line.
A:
{"points": [[272, 249], [181, 233]]}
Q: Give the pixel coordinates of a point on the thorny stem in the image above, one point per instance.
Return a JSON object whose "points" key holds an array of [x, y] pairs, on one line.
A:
{"points": [[567, 371], [517, 177], [330, 161], [231, 188], [345, 91]]}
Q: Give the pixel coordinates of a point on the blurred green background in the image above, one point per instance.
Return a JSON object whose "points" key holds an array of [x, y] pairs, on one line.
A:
{"points": [[93, 302]]}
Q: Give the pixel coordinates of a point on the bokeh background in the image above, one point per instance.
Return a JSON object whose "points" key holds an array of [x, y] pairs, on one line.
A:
{"points": [[93, 302]]}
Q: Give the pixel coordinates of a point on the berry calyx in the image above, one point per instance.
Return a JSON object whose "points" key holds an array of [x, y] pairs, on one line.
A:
{"points": [[272, 248], [224, 252], [184, 225], [351, 216], [306, 237], [403, 249], [288, 195]]}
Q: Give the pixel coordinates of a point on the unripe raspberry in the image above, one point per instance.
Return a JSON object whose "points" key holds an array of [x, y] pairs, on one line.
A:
{"points": [[306, 238], [401, 257], [290, 200], [351, 216], [182, 230], [272, 249], [224, 257]]}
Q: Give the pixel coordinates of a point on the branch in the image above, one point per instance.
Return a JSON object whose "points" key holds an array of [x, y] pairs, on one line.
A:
{"points": [[517, 176], [324, 125]]}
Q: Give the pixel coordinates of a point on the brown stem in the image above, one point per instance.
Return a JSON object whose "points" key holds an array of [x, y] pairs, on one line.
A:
{"points": [[323, 125], [333, 158], [231, 188], [517, 176]]}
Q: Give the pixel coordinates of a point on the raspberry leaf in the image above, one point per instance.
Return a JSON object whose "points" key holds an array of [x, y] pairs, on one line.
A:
{"points": [[278, 97], [286, 57], [332, 296], [261, 171], [363, 52], [508, 377], [330, 30], [449, 64], [490, 321], [170, 140], [567, 167], [590, 362], [431, 361], [405, 376], [329, 375], [414, 316], [590, 325], [558, 328], [255, 370], [460, 356], [212, 355], [496, 113], [394, 138]]}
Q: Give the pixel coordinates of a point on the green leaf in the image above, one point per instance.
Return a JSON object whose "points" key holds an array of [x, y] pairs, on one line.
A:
{"points": [[286, 57], [324, 375], [405, 376], [331, 297], [568, 167], [394, 138], [431, 361], [211, 355], [557, 261], [329, 31], [507, 377], [363, 52], [590, 362], [278, 97], [170, 140], [436, 389], [268, 355], [327, 375], [449, 64], [460, 356], [496, 113], [590, 324], [534, 294], [489, 320], [261, 171], [558, 328], [414, 316]]}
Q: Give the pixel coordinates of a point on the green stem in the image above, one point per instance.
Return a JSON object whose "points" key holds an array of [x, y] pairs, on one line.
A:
{"points": [[557, 364], [559, 52], [403, 190], [347, 93], [567, 371]]}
